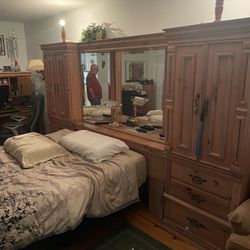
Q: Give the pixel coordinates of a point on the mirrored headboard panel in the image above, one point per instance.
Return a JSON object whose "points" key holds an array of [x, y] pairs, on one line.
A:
{"points": [[127, 64], [101, 76], [142, 75]]}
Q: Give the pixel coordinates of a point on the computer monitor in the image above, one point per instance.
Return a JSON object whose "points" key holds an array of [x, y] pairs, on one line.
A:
{"points": [[4, 95]]}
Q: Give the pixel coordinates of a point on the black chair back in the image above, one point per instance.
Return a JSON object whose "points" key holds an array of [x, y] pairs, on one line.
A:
{"points": [[35, 123]]}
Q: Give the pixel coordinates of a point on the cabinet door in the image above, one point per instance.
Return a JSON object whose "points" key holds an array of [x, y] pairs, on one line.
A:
{"points": [[62, 86], [49, 68], [24, 86], [188, 78], [225, 92]]}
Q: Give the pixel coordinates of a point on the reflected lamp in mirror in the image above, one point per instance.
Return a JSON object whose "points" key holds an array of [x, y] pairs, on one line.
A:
{"points": [[140, 101], [35, 64], [137, 101]]}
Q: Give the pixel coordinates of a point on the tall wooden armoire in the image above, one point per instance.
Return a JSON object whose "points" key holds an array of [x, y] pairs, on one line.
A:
{"points": [[63, 84], [206, 109]]}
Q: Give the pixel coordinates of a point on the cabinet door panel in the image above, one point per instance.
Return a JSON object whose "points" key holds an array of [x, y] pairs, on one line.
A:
{"points": [[49, 68], [223, 87], [189, 75], [24, 86], [61, 90]]}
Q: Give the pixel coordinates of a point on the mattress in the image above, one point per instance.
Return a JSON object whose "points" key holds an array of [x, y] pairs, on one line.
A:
{"points": [[140, 164]]}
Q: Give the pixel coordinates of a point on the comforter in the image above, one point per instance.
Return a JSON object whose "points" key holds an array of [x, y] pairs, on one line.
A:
{"points": [[53, 197]]}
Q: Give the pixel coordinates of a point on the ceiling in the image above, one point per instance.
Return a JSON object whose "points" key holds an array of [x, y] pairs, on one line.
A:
{"points": [[30, 10]]}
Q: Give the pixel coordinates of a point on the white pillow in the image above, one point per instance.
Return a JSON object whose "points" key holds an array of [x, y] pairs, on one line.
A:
{"points": [[156, 118], [33, 148], [92, 146], [88, 110], [154, 112]]}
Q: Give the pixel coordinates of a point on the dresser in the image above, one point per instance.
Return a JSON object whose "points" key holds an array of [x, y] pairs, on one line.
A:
{"points": [[206, 109]]}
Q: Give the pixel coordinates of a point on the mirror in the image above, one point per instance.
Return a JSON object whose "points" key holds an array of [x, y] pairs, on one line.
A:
{"points": [[92, 78], [142, 76]]}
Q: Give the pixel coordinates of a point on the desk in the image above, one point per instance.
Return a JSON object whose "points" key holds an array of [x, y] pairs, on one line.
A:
{"points": [[8, 113], [18, 82], [5, 114]]}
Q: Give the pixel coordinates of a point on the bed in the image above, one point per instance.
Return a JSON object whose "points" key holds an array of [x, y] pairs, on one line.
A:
{"points": [[54, 196]]}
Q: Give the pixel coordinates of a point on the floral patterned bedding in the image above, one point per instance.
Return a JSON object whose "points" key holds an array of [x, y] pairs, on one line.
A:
{"points": [[53, 197]]}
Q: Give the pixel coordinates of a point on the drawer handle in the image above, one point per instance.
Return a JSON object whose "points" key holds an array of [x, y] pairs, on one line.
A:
{"points": [[196, 198], [197, 179], [195, 223]]}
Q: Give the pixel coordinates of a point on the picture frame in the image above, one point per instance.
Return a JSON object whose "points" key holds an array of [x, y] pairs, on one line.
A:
{"points": [[136, 71], [2, 46]]}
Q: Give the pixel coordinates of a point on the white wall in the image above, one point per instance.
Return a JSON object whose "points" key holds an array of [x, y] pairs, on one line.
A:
{"points": [[132, 16], [18, 28]]}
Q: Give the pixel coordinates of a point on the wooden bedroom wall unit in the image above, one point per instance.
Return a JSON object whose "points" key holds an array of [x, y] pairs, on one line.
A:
{"points": [[207, 62], [63, 84]]}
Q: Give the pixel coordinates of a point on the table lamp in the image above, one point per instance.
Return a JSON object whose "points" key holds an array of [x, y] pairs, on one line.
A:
{"points": [[35, 64]]}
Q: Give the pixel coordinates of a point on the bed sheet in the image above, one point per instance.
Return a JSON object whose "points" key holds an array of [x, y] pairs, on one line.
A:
{"points": [[132, 158]]}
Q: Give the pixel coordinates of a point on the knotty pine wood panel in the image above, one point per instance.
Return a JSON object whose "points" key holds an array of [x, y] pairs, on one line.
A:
{"points": [[187, 97], [223, 93]]}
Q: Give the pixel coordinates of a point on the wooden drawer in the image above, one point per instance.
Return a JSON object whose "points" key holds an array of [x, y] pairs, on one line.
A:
{"points": [[203, 179], [211, 203], [199, 226]]}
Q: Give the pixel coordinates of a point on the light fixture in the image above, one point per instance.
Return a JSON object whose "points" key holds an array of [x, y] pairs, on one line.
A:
{"points": [[35, 64], [63, 32], [137, 102]]}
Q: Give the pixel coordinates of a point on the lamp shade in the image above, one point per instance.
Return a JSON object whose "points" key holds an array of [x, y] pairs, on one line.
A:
{"points": [[35, 64], [140, 101]]}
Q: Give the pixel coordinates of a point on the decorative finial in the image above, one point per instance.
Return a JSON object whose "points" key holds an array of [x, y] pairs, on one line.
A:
{"points": [[218, 9]]}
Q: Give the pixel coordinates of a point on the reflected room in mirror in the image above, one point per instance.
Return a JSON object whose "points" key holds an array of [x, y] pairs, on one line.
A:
{"points": [[96, 84], [143, 76]]}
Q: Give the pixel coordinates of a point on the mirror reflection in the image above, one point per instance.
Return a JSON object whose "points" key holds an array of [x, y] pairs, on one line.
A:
{"points": [[142, 76], [96, 77], [96, 83], [142, 84]]}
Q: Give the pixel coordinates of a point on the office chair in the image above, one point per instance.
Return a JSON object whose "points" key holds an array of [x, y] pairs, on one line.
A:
{"points": [[17, 127]]}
